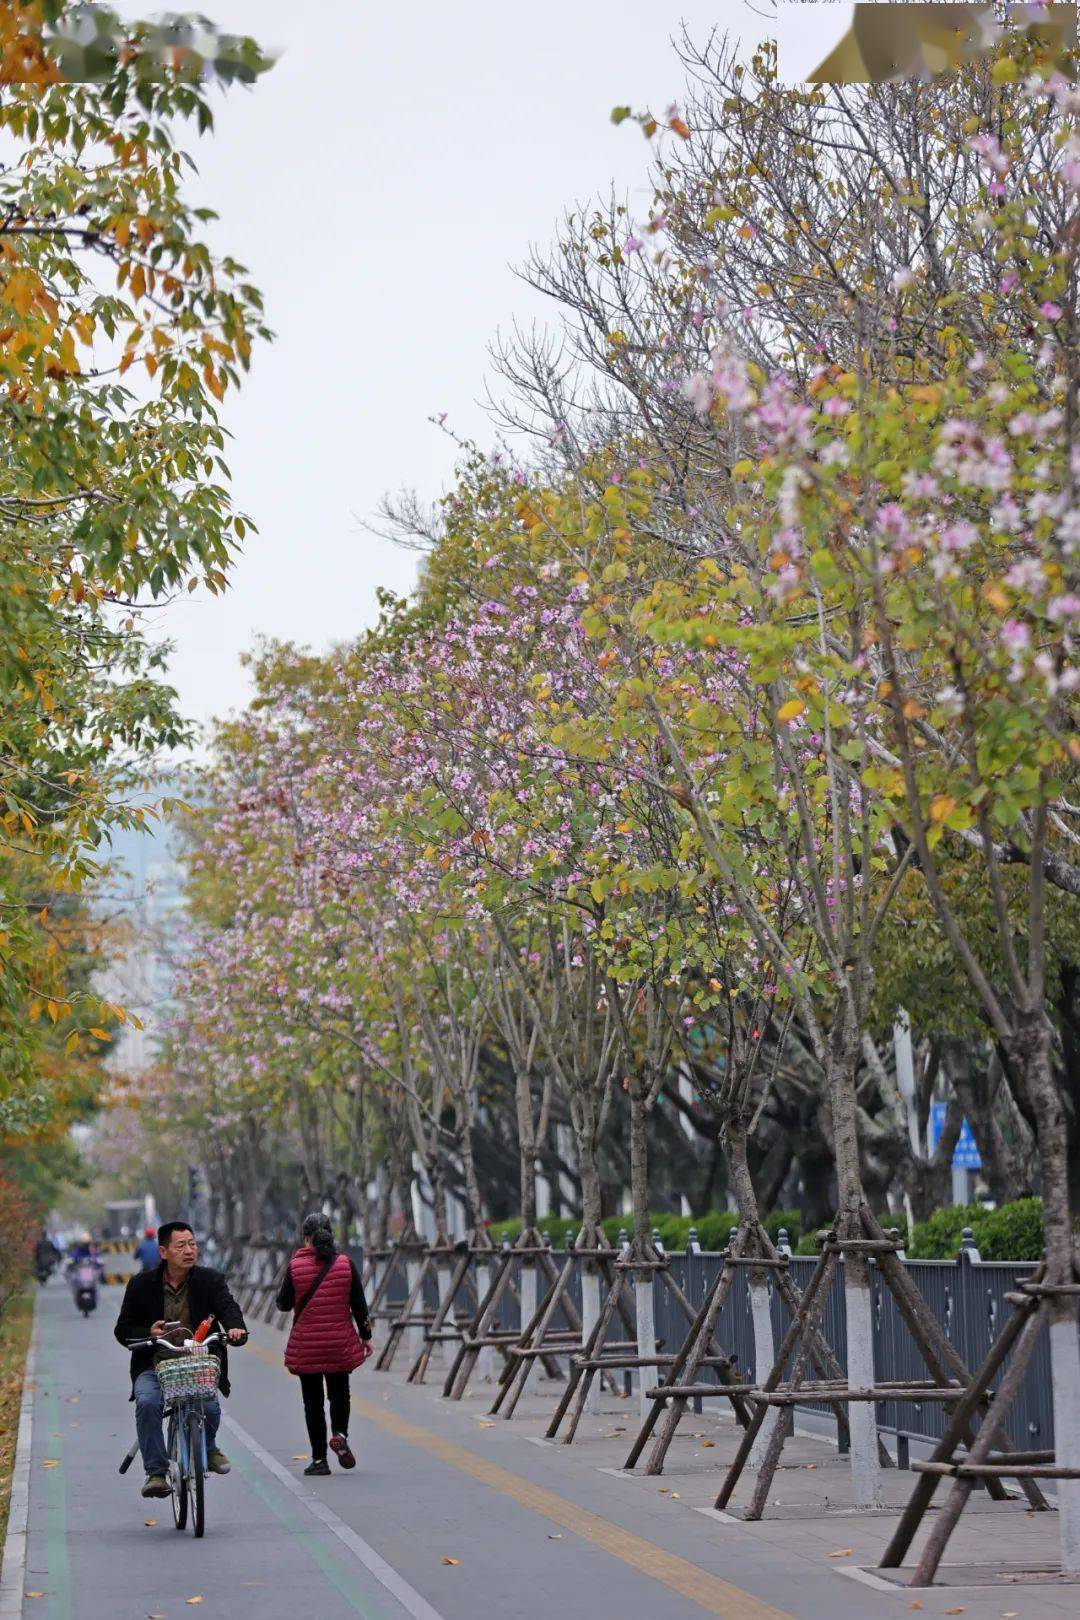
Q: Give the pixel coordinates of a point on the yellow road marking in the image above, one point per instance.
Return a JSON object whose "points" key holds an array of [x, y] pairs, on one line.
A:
{"points": [[714, 1595]]}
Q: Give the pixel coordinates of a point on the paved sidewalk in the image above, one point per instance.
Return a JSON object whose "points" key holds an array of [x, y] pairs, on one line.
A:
{"points": [[451, 1515]]}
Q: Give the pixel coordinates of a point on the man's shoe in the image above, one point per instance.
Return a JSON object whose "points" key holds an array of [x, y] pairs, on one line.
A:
{"points": [[340, 1447], [321, 1466], [217, 1462], [156, 1485]]}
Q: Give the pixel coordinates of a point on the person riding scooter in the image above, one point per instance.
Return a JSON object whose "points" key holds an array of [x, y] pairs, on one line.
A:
{"points": [[46, 1257], [84, 1276]]}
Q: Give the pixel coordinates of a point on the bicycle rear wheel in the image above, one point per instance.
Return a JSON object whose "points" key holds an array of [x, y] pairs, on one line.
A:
{"points": [[177, 1478], [195, 1464]]}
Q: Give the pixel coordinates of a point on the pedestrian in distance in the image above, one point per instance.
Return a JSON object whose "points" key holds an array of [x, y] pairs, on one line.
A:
{"points": [[147, 1253], [176, 1297], [329, 1339]]}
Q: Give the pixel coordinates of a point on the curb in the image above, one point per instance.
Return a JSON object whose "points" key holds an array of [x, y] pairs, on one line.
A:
{"points": [[13, 1571]]}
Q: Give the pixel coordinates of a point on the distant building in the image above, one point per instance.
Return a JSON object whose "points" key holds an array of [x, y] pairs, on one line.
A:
{"points": [[144, 894]]}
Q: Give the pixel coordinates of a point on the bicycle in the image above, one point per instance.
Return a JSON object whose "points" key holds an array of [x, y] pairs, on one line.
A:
{"points": [[186, 1384]]}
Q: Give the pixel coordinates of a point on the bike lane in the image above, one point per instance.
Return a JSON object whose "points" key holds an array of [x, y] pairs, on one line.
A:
{"points": [[95, 1550]]}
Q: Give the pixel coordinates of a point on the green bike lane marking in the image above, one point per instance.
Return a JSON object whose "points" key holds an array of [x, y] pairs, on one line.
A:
{"points": [[53, 1483], [340, 1574], [55, 1582]]}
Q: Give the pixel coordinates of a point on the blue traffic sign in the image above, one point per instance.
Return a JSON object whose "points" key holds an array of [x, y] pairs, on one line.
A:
{"points": [[965, 1154]]}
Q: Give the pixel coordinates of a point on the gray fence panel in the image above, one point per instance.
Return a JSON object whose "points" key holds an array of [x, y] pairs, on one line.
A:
{"points": [[967, 1299]]}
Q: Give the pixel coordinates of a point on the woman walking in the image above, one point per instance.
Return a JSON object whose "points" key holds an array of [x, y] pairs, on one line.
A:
{"points": [[331, 1335]]}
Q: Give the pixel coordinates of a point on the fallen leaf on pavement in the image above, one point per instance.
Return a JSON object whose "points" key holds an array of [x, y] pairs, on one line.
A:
{"points": [[674, 1496], [556, 1535], [841, 1552], [1008, 1614], [193, 1600], [51, 1462], [35, 1594], [959, 1609], [915, 1605], [485, 1423], [708, 1442], [454, 1561], [299, 1456], [149, 1522]]}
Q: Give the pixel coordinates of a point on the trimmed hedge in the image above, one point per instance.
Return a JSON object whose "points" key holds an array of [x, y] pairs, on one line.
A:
{"points": [[1013, 1232], [714, 1228]]}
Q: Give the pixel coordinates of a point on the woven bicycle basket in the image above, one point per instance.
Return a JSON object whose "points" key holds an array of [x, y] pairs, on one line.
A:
{"points": [[188, 1377]]}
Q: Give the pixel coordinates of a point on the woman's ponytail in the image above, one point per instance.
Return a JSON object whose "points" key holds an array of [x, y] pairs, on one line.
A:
{"points": [[317, 1227]]}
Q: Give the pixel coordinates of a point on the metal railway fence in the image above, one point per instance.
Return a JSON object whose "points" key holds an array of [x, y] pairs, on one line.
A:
{"points": [[967, 1296]]}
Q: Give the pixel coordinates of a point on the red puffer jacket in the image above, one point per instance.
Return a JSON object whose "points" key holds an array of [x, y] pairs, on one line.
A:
{"points": [[324, 1337]]}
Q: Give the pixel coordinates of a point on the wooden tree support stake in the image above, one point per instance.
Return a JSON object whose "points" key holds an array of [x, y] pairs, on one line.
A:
{"points": [[986, 1458], [600, 1358], [862, 1234], [750, 1246], [446, 1328]]}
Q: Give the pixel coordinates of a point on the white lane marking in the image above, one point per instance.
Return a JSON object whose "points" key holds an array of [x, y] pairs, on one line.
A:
{"points": [[13, 1577], [398, 1587]]}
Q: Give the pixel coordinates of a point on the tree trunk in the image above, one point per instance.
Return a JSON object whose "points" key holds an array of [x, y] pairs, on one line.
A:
{"points": [[474, 1215], [840, 1080], [526, 1146], [639, 1165]]}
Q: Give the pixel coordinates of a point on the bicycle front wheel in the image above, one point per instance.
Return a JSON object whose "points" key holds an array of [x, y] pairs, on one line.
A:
{"points": [[177, 1478], [195, 1476]]}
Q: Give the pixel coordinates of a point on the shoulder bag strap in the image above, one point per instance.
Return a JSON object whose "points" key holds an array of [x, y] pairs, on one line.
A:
{"points": [[301, 1304]]}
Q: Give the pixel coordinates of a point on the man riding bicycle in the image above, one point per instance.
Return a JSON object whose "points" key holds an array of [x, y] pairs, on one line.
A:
{"points": [[177, 1294]]}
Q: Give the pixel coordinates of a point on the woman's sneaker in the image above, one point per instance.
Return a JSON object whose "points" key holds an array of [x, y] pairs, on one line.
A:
{"points": [[340, 1447], [318, 1466]]}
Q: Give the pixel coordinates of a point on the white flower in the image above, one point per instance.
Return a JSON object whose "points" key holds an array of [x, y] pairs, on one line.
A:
{"points": [[698, 389]]}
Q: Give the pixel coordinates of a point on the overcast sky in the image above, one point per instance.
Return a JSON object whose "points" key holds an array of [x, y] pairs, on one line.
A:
{"points": [[380, 184]]}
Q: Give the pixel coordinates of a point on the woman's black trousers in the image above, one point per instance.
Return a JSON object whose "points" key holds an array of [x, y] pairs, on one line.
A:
{"points": [[337, 1393]]}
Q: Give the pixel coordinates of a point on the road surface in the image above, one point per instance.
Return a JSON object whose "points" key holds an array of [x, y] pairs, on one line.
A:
{"points": [[445, 1518]]}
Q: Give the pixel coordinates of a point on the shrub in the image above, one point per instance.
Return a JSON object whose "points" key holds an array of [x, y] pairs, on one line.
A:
{"points": [[1013, 1232], [16, 1239], [790, 1219], [939, 1237]]}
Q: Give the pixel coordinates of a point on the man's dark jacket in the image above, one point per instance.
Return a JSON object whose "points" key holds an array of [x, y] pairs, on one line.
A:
{"points": [[144, 1304]]}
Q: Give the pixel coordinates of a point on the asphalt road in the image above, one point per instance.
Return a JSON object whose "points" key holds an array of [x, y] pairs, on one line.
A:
{"points": [[443, 1519]]}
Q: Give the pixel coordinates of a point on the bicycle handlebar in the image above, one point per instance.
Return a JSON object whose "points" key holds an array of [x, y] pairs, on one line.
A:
{"points": [[162, 1343]]}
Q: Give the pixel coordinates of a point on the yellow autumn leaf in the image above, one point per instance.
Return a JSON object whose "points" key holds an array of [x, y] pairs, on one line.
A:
{"points": [[790, 710], [454, 1561], [942, 806]]}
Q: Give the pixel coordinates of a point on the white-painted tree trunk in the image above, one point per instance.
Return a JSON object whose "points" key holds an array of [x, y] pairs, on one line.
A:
{"points": [[645, 1309], [485, 1361], [414, 1336], [764, 1356], [440, 1350], [527, 1287], [862, 1418], [1065, 1376], [590, 1315]]}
